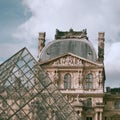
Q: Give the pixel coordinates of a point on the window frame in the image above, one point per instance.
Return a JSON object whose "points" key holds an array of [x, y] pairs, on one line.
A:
{"points": [[117, 104], [89, 81], [67, 81]]}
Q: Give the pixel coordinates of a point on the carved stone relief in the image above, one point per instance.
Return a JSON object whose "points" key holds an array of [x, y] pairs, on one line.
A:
{"points": [[68, 60], [51, 74], [80, 79], [70, 98], [97, 100], [54, 76], [100, 78]]}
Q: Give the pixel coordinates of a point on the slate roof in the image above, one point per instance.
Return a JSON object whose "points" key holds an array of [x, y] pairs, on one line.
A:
{"points": [[80, 47]]}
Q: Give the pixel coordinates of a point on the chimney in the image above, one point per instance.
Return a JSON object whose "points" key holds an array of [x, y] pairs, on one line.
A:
{"points": [[101, 47], [41, 42]]}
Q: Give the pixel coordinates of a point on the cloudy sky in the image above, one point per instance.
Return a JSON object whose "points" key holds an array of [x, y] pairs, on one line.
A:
{"points": [[21, 20]]}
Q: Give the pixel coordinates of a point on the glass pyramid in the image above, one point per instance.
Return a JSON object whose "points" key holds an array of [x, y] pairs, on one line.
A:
{"points": [[27, 93]]}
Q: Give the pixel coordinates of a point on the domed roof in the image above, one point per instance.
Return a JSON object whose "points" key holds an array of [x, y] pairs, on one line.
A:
{"points": [[80, 47]]}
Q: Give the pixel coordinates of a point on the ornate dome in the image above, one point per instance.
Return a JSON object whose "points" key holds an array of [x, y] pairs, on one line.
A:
{"points": [[80, 47]]}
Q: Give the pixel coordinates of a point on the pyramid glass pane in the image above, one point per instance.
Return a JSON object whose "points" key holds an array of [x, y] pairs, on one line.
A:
{"points": [[27, 93]]}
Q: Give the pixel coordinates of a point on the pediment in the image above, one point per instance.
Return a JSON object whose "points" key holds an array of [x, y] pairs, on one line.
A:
{"points": [[69, 60]]}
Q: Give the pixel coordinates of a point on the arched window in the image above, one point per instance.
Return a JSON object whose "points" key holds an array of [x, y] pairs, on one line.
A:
{"points": [[89, 81], [67, 81]]}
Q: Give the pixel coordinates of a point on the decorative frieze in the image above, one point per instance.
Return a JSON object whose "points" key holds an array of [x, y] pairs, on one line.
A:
{"points": [[68, 60]]}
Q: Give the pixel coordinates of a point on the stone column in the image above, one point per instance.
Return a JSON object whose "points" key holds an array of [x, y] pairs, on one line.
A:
{"points": [[41, 42], [100, 116], [80, 114], [96, 116]]}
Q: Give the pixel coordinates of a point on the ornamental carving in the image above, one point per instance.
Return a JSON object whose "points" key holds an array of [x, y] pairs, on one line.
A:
{"points": [[68, 60], [87, 64], [54, 76], [70, 98]]}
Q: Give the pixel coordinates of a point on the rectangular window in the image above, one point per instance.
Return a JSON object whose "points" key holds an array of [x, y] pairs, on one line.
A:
{"points": [[88, 118]]}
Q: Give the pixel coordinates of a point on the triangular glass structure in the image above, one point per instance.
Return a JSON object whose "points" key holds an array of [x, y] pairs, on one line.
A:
{"points": [[27, 93]]}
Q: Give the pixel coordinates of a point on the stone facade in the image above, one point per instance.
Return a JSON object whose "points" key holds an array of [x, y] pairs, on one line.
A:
{"points": [[80, 79]]}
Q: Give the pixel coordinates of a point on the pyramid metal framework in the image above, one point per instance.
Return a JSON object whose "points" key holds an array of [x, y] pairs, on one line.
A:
{"points": [[27, 93]]}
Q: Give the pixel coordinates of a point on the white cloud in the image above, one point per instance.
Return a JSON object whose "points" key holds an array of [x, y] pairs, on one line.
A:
{"points": [[47, 15], [102, 15]]}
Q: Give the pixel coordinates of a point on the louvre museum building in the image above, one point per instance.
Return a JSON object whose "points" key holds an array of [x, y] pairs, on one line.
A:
{"points": [[66, 83]]}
